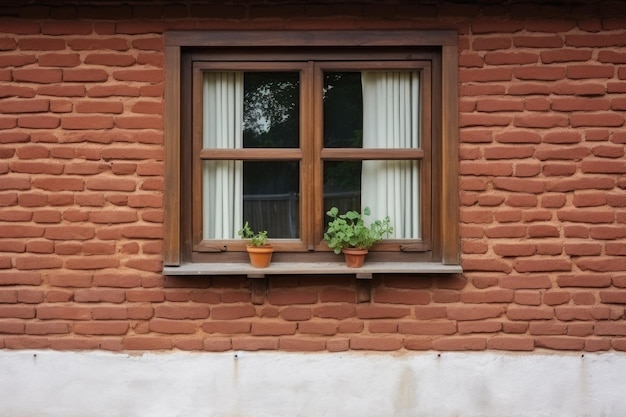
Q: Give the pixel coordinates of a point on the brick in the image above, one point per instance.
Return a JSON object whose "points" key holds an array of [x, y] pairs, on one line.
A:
{"points": [[560, 342], [608, 119], [50, 327], [542, 265], [273, 329], [51, 312], [467, 327], [491, 43], [16, 60], [608, 232], [584, 298], [301, 345], [567, 185], [93, 44], [24, 105], [232, 312], [147, 343], [427, 328], [514, 249], [541, 120], [547, 328], [610, 329], [471, 61], [582, 249], [374, 343], [69, 232], [595, 40], [615, 249], [580, 104], [565, 55], [96, 295], [101, 328], [608, 151], [383, 327], [28, 262], [482, 264], [76, 280], [99, 106], [585, 313], [59, 60], [26, 342], [226, 327], [511, 343], [38, 122], [12, 327], [91, 263], [525, 282], [518, 136], [519, 185], [87, 122], [460, 343], [474, 312], [327, 328], [110, 59], [180, 312], [577, 72], [172, 326], [110, 184], [602, 166], [562, 137], [596, 345], [516, 200], [39, 76], [613, 297], [146, 75], [539, 73]]}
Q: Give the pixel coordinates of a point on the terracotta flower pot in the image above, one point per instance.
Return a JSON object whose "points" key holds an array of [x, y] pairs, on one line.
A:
{"points": [[260, 256], [354, 257]]}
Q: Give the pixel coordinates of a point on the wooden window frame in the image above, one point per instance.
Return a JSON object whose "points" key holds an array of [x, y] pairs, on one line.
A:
{"points": [[185, 254]]}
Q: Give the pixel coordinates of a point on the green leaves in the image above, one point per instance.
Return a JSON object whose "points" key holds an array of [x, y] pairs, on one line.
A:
{"points": [[256, 239], [349, 231]]}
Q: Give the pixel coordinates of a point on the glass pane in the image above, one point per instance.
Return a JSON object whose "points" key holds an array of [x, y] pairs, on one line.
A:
{"points": [[271, 110], [342, 186], [343, 110], [374, 109], [271, 197], [388, 188], [371, 109]]}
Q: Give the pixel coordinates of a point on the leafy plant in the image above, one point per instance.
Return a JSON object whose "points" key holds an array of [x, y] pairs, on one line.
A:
{"points": [[256, 239], [349, 230]]}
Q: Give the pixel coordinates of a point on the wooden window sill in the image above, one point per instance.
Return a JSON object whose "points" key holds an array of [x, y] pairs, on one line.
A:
{"points": [[318, 268]]}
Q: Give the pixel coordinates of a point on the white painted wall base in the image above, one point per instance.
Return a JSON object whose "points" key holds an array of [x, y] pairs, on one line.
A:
{"points": [[245, 384]]}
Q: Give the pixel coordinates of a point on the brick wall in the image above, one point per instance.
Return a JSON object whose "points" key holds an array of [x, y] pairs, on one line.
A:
{"points": [[541, 183]]}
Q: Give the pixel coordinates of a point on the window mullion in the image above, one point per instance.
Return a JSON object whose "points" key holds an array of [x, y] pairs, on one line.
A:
{"points": [[309, 171]]}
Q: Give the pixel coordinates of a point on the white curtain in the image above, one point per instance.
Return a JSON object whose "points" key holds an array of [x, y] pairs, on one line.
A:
{"points": [[222, 181], [390, 120]]}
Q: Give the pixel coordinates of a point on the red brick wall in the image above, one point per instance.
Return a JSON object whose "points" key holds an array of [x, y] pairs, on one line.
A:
{"points": [[542, 188]]}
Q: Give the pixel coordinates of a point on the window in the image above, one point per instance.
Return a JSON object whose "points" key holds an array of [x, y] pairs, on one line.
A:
{"points": [[275, 128]]}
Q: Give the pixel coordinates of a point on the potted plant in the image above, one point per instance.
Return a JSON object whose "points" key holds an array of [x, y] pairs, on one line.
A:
{"points": [[259, 251], [348, 233]]}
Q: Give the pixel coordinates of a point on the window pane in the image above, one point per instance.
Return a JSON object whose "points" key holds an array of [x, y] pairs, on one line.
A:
{"points": [[343, 110], [342, 186], [250, 110], [374, 109], [271, 110], [271, 197]]}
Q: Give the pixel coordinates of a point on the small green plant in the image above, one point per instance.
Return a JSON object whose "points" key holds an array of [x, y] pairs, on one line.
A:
{"points": [[349, 231], [256, 239]]}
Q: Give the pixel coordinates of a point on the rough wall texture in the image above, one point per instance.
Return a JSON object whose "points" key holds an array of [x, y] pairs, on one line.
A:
{"points": [[543, 215]]}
